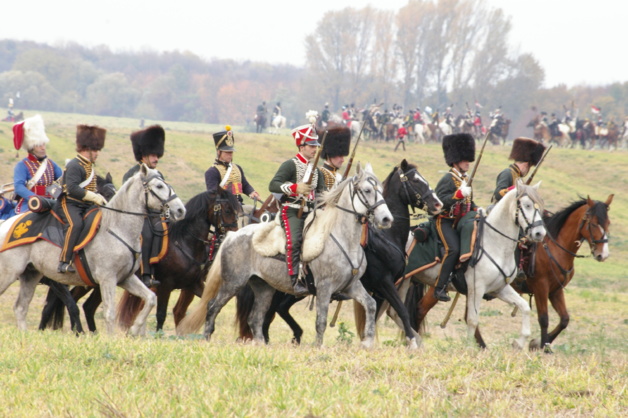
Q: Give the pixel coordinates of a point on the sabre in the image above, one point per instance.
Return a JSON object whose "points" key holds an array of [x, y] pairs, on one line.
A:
{"points": [[309, 181], [355, 147], [529, 180], [450, 311], [477, 163]]}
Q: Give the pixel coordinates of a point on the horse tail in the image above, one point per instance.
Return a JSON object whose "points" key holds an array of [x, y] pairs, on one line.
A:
{"points": [[128, 308], [244, 304], [53, 314], [193, 321], [359, 315]]}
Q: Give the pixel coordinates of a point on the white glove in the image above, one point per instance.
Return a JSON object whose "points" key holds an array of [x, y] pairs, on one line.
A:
{"points": [[95, 198], [464, 189], [303, 188]]}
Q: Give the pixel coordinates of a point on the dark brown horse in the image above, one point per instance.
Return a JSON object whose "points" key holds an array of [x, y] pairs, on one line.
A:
{"points": [[584, 220]]}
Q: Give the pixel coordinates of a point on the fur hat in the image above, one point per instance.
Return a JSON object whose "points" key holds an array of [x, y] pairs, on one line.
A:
{"points": [[527, 150], [148, 141], [30, 133], [224, 140], [90, 137], [337, 142], [458, 147]]}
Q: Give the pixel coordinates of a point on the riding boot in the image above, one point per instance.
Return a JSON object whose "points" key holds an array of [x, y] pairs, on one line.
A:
{"points": [[298, 285], [440, 291], [65, 268]]}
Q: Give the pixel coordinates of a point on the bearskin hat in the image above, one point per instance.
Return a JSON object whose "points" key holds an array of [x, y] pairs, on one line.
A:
{"points": [[90, 137], [527, 150], [30, 133], [224, 140], [337, 142], [458, 147], [148, 141]]}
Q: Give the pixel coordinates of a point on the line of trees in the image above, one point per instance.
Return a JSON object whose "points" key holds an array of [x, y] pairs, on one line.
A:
{"points": [[429, 53]]}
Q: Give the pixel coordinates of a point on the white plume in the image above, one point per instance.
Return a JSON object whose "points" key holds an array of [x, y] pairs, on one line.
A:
{"points": [[311, 116]]}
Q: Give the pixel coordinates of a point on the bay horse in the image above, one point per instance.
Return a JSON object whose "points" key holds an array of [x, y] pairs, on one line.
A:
{"points": [[208, 215], [584, 220], [335, 272], [404, 187], [111, 254], [260, 122], [492, 266]]}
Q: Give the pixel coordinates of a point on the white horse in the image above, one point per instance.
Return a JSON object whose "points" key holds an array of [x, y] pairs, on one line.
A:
{"points": [[355, 127], [419, 132], [337, 269], [279, 122], [111, 255], [493, 266]]}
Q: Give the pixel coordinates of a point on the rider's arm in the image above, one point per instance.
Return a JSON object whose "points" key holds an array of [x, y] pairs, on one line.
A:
{"points": [[74, 176], [20, 178], [247, 189], [212, 179], [503, 183], [283, 180]]}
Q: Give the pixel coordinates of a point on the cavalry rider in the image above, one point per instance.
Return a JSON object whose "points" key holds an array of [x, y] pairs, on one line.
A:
{"points": [[325, 114], [456, 195], [224, 173], [148, 148], [291, 181], [526, 153], [79, 190], [401, 137], [335, 149], [35, 173], [277, 110], [553, 126], [346, 116]]}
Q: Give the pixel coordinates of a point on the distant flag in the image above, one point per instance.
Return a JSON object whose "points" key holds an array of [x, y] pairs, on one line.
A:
{"points": [[595, 109], [477, 104]]}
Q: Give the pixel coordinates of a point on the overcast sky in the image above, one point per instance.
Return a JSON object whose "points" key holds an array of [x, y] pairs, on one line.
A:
{"points": [[575, 41]]}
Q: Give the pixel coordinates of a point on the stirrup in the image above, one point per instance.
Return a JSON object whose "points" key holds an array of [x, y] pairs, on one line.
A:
{"points": [[149, 281], [65, 268]]}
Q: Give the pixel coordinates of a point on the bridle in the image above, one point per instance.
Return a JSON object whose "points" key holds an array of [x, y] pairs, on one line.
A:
{"points": [[165, 209], [410, 191], [221, 226], [355, 190], [529, 225]]}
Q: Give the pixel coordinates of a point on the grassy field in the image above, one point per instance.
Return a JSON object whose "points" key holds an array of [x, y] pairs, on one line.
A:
{"points": [[54, 373]]}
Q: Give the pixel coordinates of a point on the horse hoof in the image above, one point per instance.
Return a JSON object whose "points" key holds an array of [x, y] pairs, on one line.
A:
{"points": [[412, 344], [367, 344], [535, 344], [517, 345]]}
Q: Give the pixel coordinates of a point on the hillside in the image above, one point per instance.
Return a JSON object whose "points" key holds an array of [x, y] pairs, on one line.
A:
{"points": [[190, 151]]}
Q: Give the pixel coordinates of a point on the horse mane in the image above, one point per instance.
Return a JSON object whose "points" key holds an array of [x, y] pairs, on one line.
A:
{"points": [[388, 179], [555, 222], [331, 197]]}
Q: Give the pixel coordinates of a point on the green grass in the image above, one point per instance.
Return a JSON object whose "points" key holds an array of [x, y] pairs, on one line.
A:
{"points": [[56, 374]]}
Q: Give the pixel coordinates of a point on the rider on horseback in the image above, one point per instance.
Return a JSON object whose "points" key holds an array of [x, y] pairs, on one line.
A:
{"points": [[222, 173], [35, 173], [292, 180], [335, 149], [526, 153], [457, 198], [79, 190], [148, 148]]}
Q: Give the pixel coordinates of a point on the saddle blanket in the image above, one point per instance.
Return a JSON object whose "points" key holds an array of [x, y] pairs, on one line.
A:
{"points": [[30, 227]]}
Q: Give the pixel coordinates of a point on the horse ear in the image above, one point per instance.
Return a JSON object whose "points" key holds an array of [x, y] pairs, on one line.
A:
{"points": [[108, 178], [609, 199], [358, 168], [368, 168], [536, 186], [590, 202], [404, 164], [143, 169]]}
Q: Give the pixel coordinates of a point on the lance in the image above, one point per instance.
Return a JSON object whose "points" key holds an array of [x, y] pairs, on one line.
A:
{"points": [[355, 147], [529, 180], [477, 163], [309, 181]]}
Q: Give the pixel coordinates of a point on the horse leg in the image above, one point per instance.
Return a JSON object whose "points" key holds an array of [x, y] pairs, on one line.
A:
{"points": [[359, 294], [389, 292], [263, 298], [323, 298], [91, 304], [474, 300], [28, 282], [62, 293], [426, 303], [181, 307], [510, 296], [283, 309], [135, 287], [558, 303], [225, 293], [163, 297]]}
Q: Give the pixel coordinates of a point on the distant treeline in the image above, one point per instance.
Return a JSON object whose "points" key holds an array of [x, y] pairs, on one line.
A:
{"points": [[431, 53]]}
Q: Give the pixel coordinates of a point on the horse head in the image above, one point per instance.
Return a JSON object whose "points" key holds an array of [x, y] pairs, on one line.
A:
{"points": [[159, 195], [529, 211], [415, 189], [367, 197], [225, 211], [594, 227]]}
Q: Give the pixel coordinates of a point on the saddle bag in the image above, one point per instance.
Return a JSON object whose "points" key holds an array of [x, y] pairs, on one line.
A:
{"points": [[422, 232], [39, 204]]}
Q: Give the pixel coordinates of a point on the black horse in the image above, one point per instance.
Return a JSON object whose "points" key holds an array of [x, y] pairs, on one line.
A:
{"points": [[190, 241], [385, 254]]}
